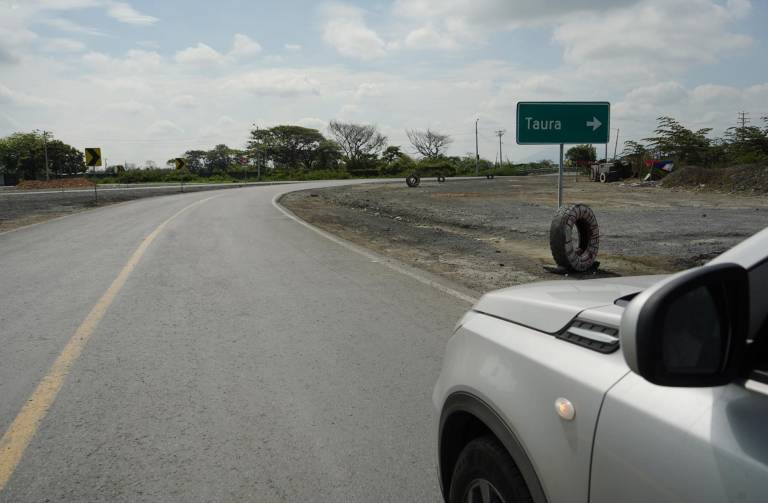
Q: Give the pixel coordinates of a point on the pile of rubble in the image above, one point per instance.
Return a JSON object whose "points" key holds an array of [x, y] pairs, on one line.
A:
{"points": [[62, 183]]}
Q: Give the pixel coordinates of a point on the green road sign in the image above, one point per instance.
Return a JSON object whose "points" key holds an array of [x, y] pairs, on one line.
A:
{"points": [[542, 123]]}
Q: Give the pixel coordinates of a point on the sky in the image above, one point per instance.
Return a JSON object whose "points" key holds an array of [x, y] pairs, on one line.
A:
{"points": [[148, 80]]}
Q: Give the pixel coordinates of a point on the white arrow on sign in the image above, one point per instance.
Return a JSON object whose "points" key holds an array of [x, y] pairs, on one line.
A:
{"points": [[594, 123]]}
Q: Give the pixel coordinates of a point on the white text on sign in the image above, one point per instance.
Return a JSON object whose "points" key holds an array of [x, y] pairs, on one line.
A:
{"points": [[543, 125]]}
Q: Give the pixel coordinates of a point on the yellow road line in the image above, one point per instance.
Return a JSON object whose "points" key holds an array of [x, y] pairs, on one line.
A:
{"points": [[20, 433]]}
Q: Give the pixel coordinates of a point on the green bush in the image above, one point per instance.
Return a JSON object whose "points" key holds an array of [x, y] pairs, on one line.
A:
{"points": [[435, 166]]}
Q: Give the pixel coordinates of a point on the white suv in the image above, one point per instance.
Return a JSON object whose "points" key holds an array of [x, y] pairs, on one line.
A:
{"points": [[646, 389]]}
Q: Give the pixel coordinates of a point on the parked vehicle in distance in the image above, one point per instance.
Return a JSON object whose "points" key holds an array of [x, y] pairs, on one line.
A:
{"points": [[644, 389], [610, 171]]}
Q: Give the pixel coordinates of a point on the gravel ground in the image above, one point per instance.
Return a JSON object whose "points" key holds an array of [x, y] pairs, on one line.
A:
{"points": [[487, 234]]}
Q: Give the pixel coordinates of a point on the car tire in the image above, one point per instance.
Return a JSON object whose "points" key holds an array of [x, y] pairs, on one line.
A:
{"points": [[440, 179], [603, 178], [579, 253], [484, 466], [413, 180]]}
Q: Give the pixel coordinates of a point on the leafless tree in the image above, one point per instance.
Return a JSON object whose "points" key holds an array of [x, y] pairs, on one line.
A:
{"points": [[357, 140], [429, 143]]}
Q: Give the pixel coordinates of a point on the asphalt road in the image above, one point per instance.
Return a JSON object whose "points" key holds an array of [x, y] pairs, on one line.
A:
{"points": [[243, 357]]}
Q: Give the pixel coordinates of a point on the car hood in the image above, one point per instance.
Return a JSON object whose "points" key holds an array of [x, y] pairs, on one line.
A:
{"points": [[551, 305]]}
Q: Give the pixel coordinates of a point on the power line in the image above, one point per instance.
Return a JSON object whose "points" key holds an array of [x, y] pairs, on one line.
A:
{"points": [[477, 150], [743, 119]]}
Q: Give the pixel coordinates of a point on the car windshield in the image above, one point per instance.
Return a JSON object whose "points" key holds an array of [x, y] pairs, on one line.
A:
{"points": [[235, 237]]}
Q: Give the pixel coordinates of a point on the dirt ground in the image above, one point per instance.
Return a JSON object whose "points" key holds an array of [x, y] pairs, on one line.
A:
{"points": [[488, 234]]}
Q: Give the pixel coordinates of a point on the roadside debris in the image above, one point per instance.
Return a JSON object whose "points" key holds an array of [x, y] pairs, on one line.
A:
{"points": [[574, 237]]}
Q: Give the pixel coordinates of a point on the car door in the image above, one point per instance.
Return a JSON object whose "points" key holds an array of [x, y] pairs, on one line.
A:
{"points": [[665, 444]]}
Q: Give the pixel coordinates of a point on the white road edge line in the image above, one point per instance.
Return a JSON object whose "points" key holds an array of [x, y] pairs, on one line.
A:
{"points": [[385, 261]]}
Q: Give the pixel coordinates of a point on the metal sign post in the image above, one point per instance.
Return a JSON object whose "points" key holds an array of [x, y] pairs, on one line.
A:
{"points": [[560, 180]]}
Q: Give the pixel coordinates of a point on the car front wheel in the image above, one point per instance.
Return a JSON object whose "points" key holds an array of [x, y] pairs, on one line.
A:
{"points": [[485, 473]]}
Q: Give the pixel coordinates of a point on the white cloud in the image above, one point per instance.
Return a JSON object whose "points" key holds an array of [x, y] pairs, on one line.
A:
{"points": [[495, 13], [185, 101], [345, 30], [368, 89], [223, 129], [655, 36], [71, 27], [243, 45], [276, 82], [292, 47], [313, 122], [10, 97], [738, 8], [164, 127], [427, 37], [63, 45], [95, 58], [125, 13], [130, 107], [662, 93], [148, 44], [14, 36], [200, 55]]}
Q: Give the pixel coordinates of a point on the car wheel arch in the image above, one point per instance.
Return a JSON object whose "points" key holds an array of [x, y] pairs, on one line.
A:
{"points": [[465, 417]]}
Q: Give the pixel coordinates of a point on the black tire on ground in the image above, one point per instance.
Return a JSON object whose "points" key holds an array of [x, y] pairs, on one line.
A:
{"points": [[440, 179], [574, 237], [603, 177], [485, 466], [413, 180]]}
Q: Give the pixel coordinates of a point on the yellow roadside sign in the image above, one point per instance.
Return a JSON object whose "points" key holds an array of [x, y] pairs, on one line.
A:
{"points": [[180, 163], [93, 157]]}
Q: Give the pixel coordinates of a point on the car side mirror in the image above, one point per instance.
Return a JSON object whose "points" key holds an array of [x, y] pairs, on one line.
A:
{"points": [[690, 329]]}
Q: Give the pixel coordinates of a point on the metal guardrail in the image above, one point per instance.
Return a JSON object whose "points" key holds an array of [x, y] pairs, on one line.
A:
{"points": [[101, 188]]}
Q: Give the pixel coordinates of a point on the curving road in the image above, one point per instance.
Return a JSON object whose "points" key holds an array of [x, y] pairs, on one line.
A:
{"points": [[235, 355]]}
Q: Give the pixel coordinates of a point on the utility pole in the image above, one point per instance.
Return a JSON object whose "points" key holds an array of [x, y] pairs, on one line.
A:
{"points": [[45, 151], [256, 154], [500, 133], [743, 119], [477, 151], [616, 146]]}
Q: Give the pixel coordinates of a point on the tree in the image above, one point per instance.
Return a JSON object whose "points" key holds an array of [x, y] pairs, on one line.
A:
{"points": [[391, 154], [430, 144], [23, 155], [289, 147], [746, 144], [395, 161], [196, 162], [359, 142], [329, 155], [65, 159], [218, 159], [582, 155], [674, 140]]}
